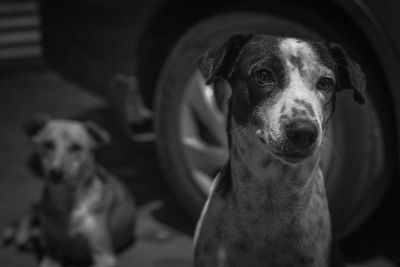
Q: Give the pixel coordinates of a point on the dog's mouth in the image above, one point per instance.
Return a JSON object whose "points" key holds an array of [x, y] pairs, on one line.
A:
{"points": [[55, 176], [284, 151], [54, 180], [294, 156]]}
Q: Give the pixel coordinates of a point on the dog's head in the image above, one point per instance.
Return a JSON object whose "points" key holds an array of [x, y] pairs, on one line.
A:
{"points": [[63, 148], [283, 89]]}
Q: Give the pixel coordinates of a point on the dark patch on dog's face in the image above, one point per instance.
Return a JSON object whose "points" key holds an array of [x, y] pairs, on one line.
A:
{"points": [[294, 112], [249, 92], [297, 63]]}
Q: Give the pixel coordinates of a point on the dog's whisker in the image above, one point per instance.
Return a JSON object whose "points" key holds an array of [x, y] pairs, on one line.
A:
{"points": [[326, 141]]}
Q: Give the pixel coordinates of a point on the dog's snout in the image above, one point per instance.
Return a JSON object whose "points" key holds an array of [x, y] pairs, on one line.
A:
{"points": [[56, 175], [301, 133]]}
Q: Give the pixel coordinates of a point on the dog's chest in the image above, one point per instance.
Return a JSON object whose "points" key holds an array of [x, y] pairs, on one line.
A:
{"points": [[235, 233], [63, 211], [89, 200]]}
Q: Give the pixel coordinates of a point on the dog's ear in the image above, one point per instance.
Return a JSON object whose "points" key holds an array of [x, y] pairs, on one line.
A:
{"points": [[349, 73], [220, 61], [34, 125], [99, 135]]}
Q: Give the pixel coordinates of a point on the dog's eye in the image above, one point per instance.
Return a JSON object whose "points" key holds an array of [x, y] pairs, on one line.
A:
{"points": [[75, 148], [325, 84], [48, 145], [264, 77]]}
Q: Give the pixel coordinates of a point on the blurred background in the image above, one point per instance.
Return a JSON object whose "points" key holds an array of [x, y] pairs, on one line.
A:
{"points": [[130, 67]]}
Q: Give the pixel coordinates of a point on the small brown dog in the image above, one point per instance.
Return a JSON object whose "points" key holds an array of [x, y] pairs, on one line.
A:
{"points": [[85, 214]]}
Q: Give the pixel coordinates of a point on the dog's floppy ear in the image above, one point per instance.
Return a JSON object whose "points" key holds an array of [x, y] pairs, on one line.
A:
{"points": [[99, 135], [349, 73], [34, 125], [220, 61]]}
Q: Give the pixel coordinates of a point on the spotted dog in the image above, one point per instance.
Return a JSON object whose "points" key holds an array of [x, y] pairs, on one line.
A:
{"points": [[85, 214], [268, 204]]}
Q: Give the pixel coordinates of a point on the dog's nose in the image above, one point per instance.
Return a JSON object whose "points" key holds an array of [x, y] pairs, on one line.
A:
{"points": [[56, 175], [301, 133]]}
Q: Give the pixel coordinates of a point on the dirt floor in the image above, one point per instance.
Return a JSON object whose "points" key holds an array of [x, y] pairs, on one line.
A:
{"points": [[164, 232]]}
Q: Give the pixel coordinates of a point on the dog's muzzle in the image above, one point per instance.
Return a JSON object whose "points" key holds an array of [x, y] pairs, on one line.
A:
{"points": [[301, 134], [298, 141], [55, 175]]}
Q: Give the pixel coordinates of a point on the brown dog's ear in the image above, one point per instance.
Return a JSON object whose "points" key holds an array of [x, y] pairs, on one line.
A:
{"points": [[34, 125], [350, 74], [220, 61], [99, 135]]}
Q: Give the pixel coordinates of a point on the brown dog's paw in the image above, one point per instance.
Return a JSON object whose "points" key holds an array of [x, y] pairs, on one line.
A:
{"points": [[23, 239]]}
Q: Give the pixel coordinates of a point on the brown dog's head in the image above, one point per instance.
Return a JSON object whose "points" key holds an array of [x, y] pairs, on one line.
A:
{"points": [[63, 148], [283, 89]]}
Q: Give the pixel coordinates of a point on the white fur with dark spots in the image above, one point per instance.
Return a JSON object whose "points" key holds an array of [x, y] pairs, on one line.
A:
{"points": [[262, 209]]}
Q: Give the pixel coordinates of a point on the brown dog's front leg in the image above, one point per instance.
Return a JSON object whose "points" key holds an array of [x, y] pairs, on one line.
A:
{"points": [[99, 239]]}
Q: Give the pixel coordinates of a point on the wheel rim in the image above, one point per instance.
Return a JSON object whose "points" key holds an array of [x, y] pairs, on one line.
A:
{"points": [[203, 132]]}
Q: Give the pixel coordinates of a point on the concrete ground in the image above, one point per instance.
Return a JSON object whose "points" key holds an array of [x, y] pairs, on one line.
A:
{"points": [[164, 232]]}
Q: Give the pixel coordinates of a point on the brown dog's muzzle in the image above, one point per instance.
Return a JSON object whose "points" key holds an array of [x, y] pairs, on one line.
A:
{"points": [[55, 175]]}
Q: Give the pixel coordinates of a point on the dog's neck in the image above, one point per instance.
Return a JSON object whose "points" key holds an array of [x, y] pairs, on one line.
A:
{"points": [[284, 204]]}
